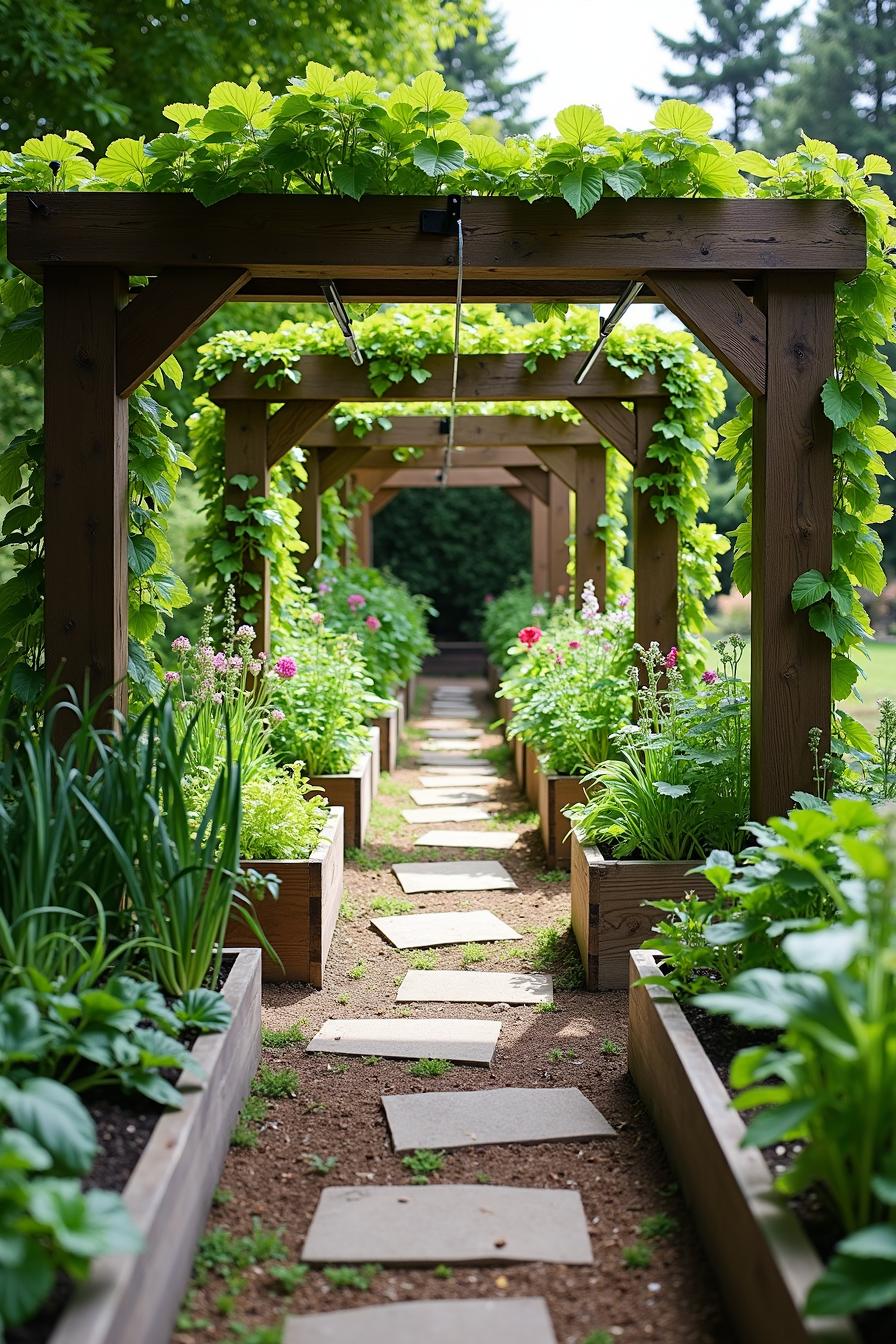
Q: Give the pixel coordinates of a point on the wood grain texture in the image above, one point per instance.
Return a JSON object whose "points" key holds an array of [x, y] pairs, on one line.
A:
{"points": [[162, 316], [612, 907], [379, 237], [560, 459], [792, 530], [723, 317], [382, 459], [85, 486], [384, 495], [539, 515], [591, 502], [309, 522], [270, 289], [520, 495], [137, 1297], [299, 923], [555, 792], [613, 422], [388, 725], [245, 454], [519, 761], [761, 1256], [655, 547], [484, 433], [531, 774], [558, 536], [459, 476], [288, 427]]}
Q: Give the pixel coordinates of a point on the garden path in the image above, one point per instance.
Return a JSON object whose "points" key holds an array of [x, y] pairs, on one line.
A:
{"points": [[328, 1129]]}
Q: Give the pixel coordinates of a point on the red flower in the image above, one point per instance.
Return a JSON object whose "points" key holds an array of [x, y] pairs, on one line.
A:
{"points": [[529, 635]]}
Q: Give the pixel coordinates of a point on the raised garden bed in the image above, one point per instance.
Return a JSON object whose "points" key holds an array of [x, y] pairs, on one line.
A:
{"points": [[555, 792], [299, 924], [612, 911], [531, 775], [762, 1257], [389, 727], [354, 792], [168, 1195], [410, 695], [519, 762]]}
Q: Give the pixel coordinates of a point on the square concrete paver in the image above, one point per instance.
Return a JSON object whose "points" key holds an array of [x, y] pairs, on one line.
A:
{"points": [[475, 987], [494, 1115], [438, 930], [417, 816], [461, 875], [463, 1040], [447, 1224], [451, 744], [467, 839], [451, 725], [436, 779], [439, 797], [515, 1320], [447, 759]]}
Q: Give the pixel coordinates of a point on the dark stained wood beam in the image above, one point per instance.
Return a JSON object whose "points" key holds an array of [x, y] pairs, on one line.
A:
{"points": [[383, 458], [535, 479], [379, 238], [655, 546], [792, 531], [562, 461], [520, 495], [162, 316], [458, 477], [335, 463], [558, 536], [612, 422], [288, 426], [591, 502], [482, 432], [270, 289], [540, 525], [245, 454], [308, 500], [724, 319], [85, 487], [383, 496]]}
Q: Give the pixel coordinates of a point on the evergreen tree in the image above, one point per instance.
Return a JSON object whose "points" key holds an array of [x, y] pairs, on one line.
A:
{"points": [[841, 85], [479, 70], [732, 59]]}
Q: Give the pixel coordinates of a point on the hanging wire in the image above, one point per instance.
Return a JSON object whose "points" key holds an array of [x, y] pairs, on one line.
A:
{"points": [[449, 447]]}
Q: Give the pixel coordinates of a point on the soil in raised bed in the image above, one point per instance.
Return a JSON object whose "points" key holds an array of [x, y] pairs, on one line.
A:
{"points": [[337, 1113]]}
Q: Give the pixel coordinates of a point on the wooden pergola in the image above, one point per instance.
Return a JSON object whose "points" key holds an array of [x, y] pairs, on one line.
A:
{"points": [[753, 278]]}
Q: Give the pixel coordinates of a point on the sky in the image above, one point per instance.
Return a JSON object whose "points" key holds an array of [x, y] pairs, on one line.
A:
{"points": [[599, 51]]}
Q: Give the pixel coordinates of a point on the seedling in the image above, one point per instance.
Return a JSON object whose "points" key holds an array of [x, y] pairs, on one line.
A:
{"points": [[225, 1255], [368, 863], [390, 905], [552, 875], [221, 1197], [288, 1277], [338, 1066], [358, 971], [343, 999], [599, 1337], [405, 1012], [637, 1256], [657, 1225], [556, 1055], [608, 1047], [253, 1114], [549, 1007], [347, 910], [554, 949], [351, 1276], [473, 953], [275, 1083], [423, 1163], [443, 1272], [371, 1059], [423, 959], [320, 1166], [275, 1037], [429, 1068], [482, 1178]]}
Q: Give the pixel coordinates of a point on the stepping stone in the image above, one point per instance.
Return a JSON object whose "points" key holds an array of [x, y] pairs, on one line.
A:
{"points": [[461, 875], [485, 776], [454, 734], [438, 930], [475, 987], [467, 839], [463, 1040], [496, 1115], [515, 1320], [427, 757], [449, 744], [450, 725], [447, 1224], [427, 815], [438, 797]]}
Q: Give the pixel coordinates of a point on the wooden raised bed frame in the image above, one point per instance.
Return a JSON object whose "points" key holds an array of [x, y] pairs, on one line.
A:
{"points": [[136, 1298], [519, 762], [389, 726], [299, 924], [531, 775], [611, 910], [555, 792], [763, 1260], [354, 792]]}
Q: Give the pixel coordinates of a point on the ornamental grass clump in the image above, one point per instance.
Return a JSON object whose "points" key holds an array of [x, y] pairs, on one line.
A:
{"points": [[570, 684], [680, 785]]}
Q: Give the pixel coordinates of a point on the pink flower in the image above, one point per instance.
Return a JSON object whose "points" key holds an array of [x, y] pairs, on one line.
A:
{"points": [[255, 667], [235, 662], [559, 660], [356, 601], [709, 677], [488, 599], [172, 677], [219, 662], [671, 658], [575, 644], [181, 644], [317, 618], [324, 587], [285, 668], [373, 623], [218, 698], [529, 635], [245, 632], [623, 601], [277, 716]]}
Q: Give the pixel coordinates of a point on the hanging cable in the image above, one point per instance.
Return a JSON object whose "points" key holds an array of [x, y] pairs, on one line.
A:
{"points": [[620, 307], [449, 447], [342, 319]]}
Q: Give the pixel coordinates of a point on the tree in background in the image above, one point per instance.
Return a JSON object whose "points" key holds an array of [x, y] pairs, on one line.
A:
{"points": [[841, 84], [478, 66], [108, 67], [731, 60]]}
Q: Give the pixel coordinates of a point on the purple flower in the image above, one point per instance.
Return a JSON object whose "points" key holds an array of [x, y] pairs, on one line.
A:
{"points": [[671, 658], [324, 587], [277, 716], [255, 667], [373, 623], [218, 697], [285, 668], [236, 662], [172, 677], [245, 632], [575, 644], [709, 677], [181, 644], [356, 601]]}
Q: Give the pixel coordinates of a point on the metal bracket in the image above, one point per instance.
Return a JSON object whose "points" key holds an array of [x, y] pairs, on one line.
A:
{"points": [[445, 424], [442, 222]]}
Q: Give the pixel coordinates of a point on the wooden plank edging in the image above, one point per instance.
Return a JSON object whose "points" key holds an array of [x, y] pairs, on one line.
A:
{"points": [[761, 1255], [136, 1297]]}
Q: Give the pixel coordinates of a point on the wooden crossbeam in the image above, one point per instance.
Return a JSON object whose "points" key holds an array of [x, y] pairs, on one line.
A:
{"points": [[562, 461], [383, 496], [162, 316], [535, 479], [383, 458], [485, 432], [270, 289], [724, 318], [422, 479], [520, 495], [335, 463], [612, 422], [288, 426]]}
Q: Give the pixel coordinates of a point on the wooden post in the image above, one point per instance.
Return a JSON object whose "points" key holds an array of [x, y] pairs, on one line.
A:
{"points": [[591, 502], [308, 500], [540, 542], [792, 532], [86, 484], [345, 491], [655, 545], [362, 526], [558, 536], [245, 454]]}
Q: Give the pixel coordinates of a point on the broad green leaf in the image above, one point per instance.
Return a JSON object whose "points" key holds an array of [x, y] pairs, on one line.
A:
{"points": [[351, 179], [23, 337], [26, 1283], [319, 78], [808, 589], [438, 157], [84, 1224], [125, 161], [141, 555], [583, 188], [875, 165], [830, 949], [850, 1285], [626, 181], [252, 101], [671, 790], [203, 1010], [579, 124], [55, 1118], [19, 1152], [51, 149], [354, 85], [844, 675], [778, 1123], [757, 165], [542, 312], [842, 405], [183, 113], [676, 115]]}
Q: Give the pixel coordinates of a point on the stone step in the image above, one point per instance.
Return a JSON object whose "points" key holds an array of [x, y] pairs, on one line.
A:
{"points": [[475, 987], [462, 1040], [454, 875], [493, 1115], [521, 1320], [443, 928]]}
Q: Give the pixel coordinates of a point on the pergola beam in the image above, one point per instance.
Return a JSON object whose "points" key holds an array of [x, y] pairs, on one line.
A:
{"points": [[483, 432], [732, 326]]}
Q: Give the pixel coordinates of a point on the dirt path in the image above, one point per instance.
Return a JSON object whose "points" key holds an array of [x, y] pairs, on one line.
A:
{"points": [[648, 1281]]}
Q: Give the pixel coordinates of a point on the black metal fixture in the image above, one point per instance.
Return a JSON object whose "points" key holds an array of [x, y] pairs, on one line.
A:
{"points": [[342, 319], [442, 221], [620, 307]]}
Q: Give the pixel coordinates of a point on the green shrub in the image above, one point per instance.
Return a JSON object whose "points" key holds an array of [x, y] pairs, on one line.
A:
{"points": [[389, 622], [282, 819]]}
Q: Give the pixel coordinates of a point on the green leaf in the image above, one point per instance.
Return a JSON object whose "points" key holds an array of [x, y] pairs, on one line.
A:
{"points": [[808, 589], [125, 161], [22, 338], [351, 179], [671, 790], [844, 675], [757, 165], [676, 115], [626, 181], [850, 1285], [778, 1123], [251, 102], [142, 555], [542, 312], [583, 188], [25, 1285], [438, 157], [55, 1117], [203, 1010], [831, 949], [85, 1225], [842, 405], [579, 124]]}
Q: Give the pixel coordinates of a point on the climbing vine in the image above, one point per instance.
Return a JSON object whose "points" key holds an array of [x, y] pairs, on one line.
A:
{"points": [[328, 133]]}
